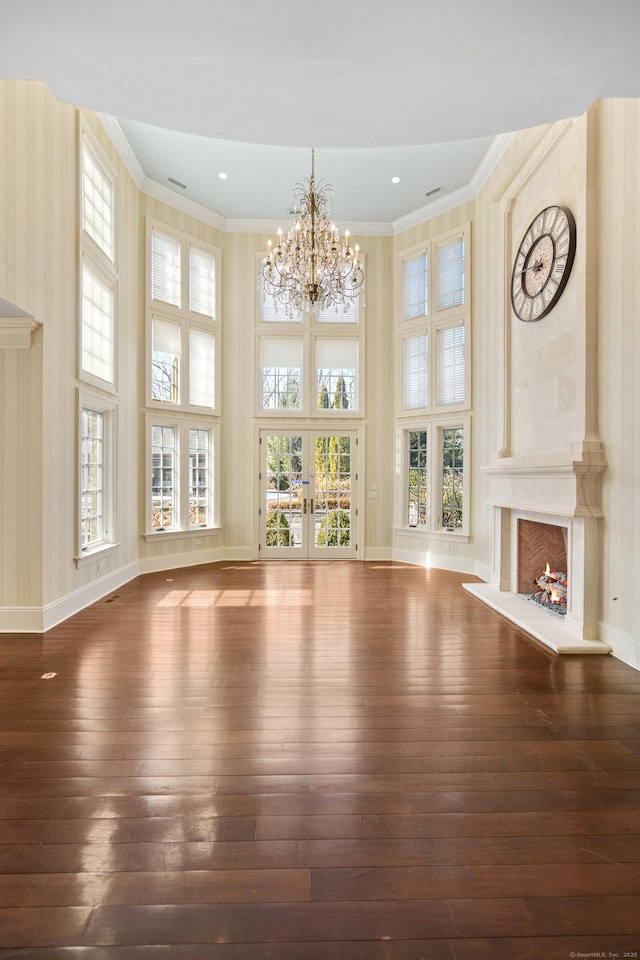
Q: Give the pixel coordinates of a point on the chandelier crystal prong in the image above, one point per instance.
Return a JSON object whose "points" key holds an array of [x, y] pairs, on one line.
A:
{"points": [[312, 268]]}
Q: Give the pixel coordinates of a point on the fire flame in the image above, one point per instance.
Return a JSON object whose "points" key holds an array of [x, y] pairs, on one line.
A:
{"points": [[547, 570], [555, 597]]}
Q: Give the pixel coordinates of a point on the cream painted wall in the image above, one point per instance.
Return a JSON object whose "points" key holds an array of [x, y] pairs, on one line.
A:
{"points": [[617, 259], [40, 582]]}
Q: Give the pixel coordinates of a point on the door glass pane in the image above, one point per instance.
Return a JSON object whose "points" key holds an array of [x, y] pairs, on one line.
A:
{"points": [[284, 492], [332, 526]]}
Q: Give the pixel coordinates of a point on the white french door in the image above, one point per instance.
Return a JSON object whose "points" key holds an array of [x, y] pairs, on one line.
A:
{"points": [[307, 494]]}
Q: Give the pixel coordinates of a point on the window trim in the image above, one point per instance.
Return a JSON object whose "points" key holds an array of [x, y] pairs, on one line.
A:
{"points": [[325, 333], [450, 323], [433, 427], [95, 258], [430, 325], [184, 370], [186, 319], [88, 244], [186, 242], [88, 399], [181, 424]]}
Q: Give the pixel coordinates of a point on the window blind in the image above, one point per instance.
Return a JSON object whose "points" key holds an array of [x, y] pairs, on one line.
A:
{"points": [[166, 337], [202, 283], [450, 273], [415, 372], [282, 352], [415, 287], [336, 354], [165, 268], [96, 326], [331, 315], [201, 367], [97, 202], [451, 365]]}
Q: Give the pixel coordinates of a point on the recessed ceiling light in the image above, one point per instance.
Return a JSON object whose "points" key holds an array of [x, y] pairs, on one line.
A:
{"points": [[395, 179], [222, 176]]}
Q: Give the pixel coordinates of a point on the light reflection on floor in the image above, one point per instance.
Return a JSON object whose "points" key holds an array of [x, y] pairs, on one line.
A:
{"points": [[237, 598]]}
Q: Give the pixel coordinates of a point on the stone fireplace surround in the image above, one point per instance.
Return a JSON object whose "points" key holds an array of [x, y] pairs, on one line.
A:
{"points": [[562, 493]]}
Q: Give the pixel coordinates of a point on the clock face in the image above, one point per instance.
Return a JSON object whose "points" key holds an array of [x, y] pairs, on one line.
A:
{"points": [[543, 263]]}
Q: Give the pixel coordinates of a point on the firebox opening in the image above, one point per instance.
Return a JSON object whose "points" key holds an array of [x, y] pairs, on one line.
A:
{"points": [[543, 575]]}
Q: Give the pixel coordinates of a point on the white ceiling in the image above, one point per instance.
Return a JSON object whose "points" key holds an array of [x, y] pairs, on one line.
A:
{"points": [[415, 88]]}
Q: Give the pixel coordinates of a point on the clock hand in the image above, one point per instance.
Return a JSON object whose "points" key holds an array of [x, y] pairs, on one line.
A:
{"points": [[538, 265]]}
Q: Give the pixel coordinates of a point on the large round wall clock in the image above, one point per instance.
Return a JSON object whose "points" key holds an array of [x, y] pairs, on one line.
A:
{"points": [[543, 263]]}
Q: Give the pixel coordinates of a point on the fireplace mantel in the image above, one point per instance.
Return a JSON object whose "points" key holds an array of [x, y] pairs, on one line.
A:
{"points": [[557, 490], [565, 487]]}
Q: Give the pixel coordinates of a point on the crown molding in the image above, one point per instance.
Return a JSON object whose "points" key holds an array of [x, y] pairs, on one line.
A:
{"points": [[116, 135], [490, 161], [442, 205], [463, 195], [158, 191], [365, 229]]}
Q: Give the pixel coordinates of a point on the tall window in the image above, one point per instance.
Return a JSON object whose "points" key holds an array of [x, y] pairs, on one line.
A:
{"points": [[336, 372], [183, 322], [434, 320], [434, 493], [97, 201], [317, 371], [165, 360], [436, 378], [97, 330], [181, 476], [281, 373], [163, 477], [97, 338], [97, 266], [183, 328], [199, 478], [415, 372], [417, 477], [452, 453], [92, 480], [415, 286]]}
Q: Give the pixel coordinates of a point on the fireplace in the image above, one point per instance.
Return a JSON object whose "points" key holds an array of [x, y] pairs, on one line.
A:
{"points": [[547, 513], [542, 574]]}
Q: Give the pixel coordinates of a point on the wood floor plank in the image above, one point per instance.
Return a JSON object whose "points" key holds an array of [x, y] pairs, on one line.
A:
{"points": [[313, 761]]}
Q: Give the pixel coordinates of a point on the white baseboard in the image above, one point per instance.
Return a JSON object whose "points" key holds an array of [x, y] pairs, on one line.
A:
{"points": [[623, 646], [54, 613], [428, 559], [41, 619], [193, 558]]}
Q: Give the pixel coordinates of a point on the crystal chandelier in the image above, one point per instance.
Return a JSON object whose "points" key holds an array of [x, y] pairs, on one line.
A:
{"points": [[312, 268]]}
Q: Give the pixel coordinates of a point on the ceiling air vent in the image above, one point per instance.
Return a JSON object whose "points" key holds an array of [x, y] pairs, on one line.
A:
{"points": [[182, 186], [432, 193]]}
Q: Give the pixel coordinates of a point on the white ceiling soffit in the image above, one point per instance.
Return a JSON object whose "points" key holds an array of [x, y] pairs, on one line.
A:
{"points": [[294, 74]]}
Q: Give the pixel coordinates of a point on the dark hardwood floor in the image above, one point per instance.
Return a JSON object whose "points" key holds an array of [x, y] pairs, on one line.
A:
{"points": [[313, 761]]}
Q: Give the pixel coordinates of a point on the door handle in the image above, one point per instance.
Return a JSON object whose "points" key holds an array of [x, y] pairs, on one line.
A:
{"points": [[311, 505], [304, 505]]}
